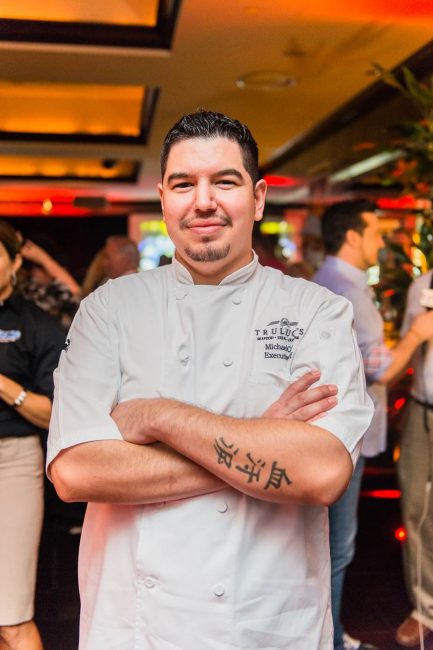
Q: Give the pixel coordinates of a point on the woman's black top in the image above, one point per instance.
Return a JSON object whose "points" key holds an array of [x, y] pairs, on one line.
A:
{"points": [[30, 346]]}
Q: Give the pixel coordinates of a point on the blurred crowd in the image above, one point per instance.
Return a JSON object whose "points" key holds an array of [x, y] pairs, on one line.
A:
{"points": [[38, 300]]}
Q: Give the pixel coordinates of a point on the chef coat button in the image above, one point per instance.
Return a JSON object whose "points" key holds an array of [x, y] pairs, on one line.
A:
{"points": [[222, 507], [181, 294], [183, 354], [228, 362], [236, 300], [219, 590], [149, 583]]}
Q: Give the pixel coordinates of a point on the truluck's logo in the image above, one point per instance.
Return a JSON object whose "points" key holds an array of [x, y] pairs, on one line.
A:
{"points": [[279, 337]]}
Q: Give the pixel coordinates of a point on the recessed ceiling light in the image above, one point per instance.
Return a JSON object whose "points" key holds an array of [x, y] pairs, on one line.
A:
{"points": [[265, 80]]}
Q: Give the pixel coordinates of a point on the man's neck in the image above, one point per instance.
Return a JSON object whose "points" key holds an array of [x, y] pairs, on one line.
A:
{"points": [[212, 273], [348, 257]]}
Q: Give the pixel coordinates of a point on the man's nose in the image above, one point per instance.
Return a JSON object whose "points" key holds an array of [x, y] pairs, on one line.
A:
{"points": [[204, 198]]}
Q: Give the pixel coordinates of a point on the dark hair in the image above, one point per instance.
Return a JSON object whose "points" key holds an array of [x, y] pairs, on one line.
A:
{"points": [[208, 124], [9, 239], [341, 217]]}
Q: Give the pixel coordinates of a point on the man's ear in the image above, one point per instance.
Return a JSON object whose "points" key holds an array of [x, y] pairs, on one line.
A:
{"points": [[161, 199], [352, 238], [260, 190]]}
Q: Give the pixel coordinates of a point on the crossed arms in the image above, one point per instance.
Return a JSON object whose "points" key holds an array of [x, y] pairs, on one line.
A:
{"points": [[172, 450]]}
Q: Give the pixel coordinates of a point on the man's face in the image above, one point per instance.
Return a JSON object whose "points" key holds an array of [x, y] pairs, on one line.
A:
{"points": [[370, 240], [209, 205]]}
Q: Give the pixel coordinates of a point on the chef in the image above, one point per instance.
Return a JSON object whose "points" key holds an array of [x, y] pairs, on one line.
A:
{"points": [[180, 415]]}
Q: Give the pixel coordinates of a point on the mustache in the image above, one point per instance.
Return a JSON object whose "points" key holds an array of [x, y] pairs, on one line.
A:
{"points": [[187, 221]]}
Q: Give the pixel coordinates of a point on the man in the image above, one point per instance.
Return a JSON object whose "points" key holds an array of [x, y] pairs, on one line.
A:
{"points": [[120, 256], [352, 241], [207, 521], [415, 472]]}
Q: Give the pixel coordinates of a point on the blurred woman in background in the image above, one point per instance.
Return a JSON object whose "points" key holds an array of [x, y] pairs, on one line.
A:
{"points": [[30, 345]]}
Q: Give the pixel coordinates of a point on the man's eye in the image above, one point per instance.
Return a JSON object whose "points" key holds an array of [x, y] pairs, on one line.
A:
{"points": [[226, 182], [182, 186]]}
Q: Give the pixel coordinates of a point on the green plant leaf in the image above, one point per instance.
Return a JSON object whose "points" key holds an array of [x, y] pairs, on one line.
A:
{"points": [[420, 94]]}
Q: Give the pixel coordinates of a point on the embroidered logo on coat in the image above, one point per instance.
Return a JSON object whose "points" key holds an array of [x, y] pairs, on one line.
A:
{"points": [[280, 337], [9, 336]]}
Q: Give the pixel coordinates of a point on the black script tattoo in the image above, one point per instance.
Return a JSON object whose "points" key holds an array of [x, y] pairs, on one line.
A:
{"points": [[225, 452], [276, 477], [252, 470]]}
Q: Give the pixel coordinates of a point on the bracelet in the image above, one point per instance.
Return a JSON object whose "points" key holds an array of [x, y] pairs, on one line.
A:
{"points": [[21, 397]]}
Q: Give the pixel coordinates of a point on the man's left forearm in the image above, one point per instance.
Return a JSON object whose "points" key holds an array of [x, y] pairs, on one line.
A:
{"points": [[277, 460]]}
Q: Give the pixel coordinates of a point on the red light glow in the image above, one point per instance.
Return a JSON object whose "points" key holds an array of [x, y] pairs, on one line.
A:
{"points": [[281, 181], [400, 534], [399, 403], [404, 203], [381, 494]]}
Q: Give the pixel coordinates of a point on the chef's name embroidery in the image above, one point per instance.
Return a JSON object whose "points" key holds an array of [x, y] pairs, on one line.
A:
{"points": [[9, 336], [279, 337]]}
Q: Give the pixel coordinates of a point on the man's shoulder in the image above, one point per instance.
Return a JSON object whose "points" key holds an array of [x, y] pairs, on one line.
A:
{"points": [[131, 284], [308, 292], [423, 280]]}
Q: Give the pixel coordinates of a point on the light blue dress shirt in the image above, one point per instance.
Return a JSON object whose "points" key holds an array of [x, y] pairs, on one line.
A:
{"points": [[346, 280]]}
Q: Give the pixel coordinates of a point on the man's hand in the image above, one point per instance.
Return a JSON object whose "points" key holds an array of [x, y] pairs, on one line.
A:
{"points": [[134, 419], [298, 401], [301, 402]]}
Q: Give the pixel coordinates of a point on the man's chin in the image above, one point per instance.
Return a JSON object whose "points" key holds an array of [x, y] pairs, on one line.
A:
{"points": [[208, 253]]}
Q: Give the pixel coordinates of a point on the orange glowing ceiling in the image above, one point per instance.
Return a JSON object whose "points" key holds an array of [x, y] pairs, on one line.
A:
{"points": [[134, 12], [359, 10], [72, 168], [48, 108]]}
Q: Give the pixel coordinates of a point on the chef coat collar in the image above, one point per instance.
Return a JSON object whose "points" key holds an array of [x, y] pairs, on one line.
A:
{"points": [[242, 275]]}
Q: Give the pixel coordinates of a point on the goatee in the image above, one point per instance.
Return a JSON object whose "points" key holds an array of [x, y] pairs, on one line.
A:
{"points": [[208, 253]]}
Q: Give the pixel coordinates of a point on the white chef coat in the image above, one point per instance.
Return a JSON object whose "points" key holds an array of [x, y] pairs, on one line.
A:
{"points": [[422, 385], [221, 571], [347, 280]]}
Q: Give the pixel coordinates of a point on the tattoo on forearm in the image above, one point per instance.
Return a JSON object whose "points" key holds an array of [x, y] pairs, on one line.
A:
{"points": [[225, 452], [251, 468]]}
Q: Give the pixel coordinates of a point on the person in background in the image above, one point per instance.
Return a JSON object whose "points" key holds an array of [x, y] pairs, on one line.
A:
{"points": [[352, 240], [95, 274], [49, 284], [30, 345], [415, 473], [120, 257], [177, 417]]}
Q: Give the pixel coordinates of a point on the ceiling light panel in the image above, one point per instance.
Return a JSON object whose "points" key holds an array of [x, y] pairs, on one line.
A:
{"points": [[71, 109], [118, 12], [71, 168]]}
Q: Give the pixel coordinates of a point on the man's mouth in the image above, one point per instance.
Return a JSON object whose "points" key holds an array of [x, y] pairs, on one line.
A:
{"points": [[207, 226]]}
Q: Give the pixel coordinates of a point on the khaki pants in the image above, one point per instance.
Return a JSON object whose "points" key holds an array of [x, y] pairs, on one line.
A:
{"points": [[414, 468], [21, 511]]}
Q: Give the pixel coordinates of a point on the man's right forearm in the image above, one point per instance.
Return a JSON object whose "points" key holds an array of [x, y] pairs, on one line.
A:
{"points": [[401, 355], [115, 471]]}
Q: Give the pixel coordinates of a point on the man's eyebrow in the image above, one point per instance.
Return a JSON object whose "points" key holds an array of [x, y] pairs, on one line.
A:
{"points": [[230, 172], [175, 176]]}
